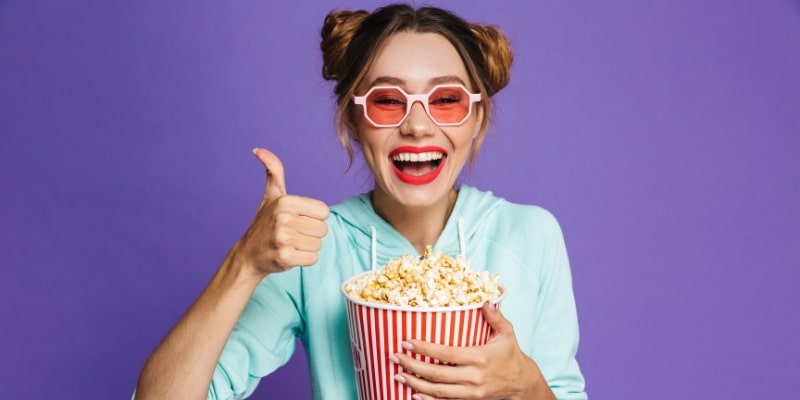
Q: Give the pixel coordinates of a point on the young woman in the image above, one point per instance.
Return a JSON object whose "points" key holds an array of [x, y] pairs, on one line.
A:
{"points": [[414, 89]]}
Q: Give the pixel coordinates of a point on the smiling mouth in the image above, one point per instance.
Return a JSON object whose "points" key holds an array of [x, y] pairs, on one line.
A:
{"points": [[418, 166]]}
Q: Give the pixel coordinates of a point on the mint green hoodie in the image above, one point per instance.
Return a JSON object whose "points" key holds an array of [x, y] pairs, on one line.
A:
{"points": [[523, 244]]}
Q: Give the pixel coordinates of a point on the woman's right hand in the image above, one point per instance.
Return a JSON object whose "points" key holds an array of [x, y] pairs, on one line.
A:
{"points": [[287, 230]]}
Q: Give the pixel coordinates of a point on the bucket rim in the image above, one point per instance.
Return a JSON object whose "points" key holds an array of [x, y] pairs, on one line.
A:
{"points": [[495, 301]]}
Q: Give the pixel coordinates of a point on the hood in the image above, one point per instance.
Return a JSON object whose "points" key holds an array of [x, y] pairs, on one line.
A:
{"points": [[472, 207]]}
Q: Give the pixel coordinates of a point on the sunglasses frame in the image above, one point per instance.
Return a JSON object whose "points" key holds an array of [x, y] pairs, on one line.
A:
{"points": [[413, 98]]}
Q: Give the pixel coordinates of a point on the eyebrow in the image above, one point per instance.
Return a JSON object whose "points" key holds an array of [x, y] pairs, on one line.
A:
{"points": [[390, 80]]}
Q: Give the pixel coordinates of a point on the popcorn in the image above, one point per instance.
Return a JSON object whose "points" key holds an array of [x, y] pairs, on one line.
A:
{"points": [[436, 280]]}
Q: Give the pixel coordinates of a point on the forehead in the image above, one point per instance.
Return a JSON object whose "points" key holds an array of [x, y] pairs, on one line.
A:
{"points": [[416, 60]]}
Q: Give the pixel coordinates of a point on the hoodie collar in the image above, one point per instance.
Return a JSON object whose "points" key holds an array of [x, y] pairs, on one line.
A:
{"points": [[472, 206]]}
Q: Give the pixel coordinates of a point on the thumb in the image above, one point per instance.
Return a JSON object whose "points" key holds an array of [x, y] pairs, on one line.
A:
{"points": [[500, 325], [276, 185]]}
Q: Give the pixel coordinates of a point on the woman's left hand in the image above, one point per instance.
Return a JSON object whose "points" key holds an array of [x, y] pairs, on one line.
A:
{"points": [[497, 370]]}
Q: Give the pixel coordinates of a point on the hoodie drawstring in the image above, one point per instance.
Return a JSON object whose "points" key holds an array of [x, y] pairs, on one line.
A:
{"points": [[462, 244], [374, 248]]}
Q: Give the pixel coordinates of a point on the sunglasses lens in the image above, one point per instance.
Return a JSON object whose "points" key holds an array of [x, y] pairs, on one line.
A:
{"points": [[449, 104], [386, 106]]}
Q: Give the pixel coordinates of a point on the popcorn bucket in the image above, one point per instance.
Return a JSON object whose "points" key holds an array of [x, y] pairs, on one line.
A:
{"points": [[377, 330]]}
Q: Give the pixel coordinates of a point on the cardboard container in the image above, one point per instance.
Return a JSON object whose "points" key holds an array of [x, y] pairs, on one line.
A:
{"points": [[377, 331]]}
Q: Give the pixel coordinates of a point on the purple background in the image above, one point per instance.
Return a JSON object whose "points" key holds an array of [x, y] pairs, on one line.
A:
{"points": [[664, 135]]}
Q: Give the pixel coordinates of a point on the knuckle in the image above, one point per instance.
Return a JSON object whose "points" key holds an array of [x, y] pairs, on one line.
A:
{"points": [[475, 379], [281, 202], [480, 359], [448, 353], [283, 219], [480, 393], [281, 238]]}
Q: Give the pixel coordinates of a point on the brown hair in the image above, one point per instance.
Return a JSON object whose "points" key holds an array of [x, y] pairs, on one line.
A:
{"points": [[350, 40]]}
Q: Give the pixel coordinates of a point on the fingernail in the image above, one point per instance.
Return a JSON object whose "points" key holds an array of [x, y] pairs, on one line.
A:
{"points": [[407, 346], [255, 149], [400, 378], [416, 397], [393, 358]]}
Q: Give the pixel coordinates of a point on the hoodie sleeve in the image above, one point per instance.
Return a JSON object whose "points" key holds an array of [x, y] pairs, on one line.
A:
{"points": [[263, 338], [556, 325]]}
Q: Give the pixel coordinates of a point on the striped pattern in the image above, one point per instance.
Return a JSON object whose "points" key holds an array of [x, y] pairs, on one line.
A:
{"points": [[377, 332]]}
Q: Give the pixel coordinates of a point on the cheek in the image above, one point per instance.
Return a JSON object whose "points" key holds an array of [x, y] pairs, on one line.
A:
{"points": [[355, 123], [464, 139], [371, 145]]}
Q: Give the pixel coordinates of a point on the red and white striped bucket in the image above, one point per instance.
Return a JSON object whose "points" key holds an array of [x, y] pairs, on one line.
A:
{"points": [[377, 330]]}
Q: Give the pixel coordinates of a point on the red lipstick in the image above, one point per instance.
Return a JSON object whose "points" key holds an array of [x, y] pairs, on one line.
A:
{"points": [[423, 178]]}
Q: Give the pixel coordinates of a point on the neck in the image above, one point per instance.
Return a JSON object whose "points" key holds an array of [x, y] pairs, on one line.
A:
{"points": [[420, 225]]}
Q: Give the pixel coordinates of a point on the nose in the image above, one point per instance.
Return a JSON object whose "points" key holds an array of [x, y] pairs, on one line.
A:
{"points": [[418, 122]]}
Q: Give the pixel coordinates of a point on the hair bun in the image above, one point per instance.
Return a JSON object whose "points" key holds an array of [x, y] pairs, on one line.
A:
{"points": [[337, 31], [497, 55]]}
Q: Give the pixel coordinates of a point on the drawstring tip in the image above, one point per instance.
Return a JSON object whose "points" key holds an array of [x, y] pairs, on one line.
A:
{"points": [[462, 240]]}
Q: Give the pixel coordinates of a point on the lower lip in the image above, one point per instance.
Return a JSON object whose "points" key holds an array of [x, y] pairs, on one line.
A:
{"points": [[419, 179]]}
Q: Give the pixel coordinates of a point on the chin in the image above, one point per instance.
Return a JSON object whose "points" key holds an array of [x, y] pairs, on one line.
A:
{"points": [[420, 196]]}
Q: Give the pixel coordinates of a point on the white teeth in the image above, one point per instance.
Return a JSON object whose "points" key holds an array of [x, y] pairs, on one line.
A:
{"points": [[418, 157]]}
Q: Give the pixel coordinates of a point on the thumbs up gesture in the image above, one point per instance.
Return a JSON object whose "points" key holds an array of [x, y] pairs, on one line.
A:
{"points": [[287, 230]]}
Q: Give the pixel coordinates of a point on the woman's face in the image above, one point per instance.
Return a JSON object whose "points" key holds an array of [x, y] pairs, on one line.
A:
{"points": [[416, 163]]}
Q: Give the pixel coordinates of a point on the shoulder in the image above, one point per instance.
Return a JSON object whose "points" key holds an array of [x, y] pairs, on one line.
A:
{"points": [[533, 218], [504, 220], [341, 219], [351, 204], [484, 199], [507, 218], [525, 232]]}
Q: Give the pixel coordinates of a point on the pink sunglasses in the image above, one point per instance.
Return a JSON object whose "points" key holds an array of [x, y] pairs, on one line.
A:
{"points": [[388, 106]]}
